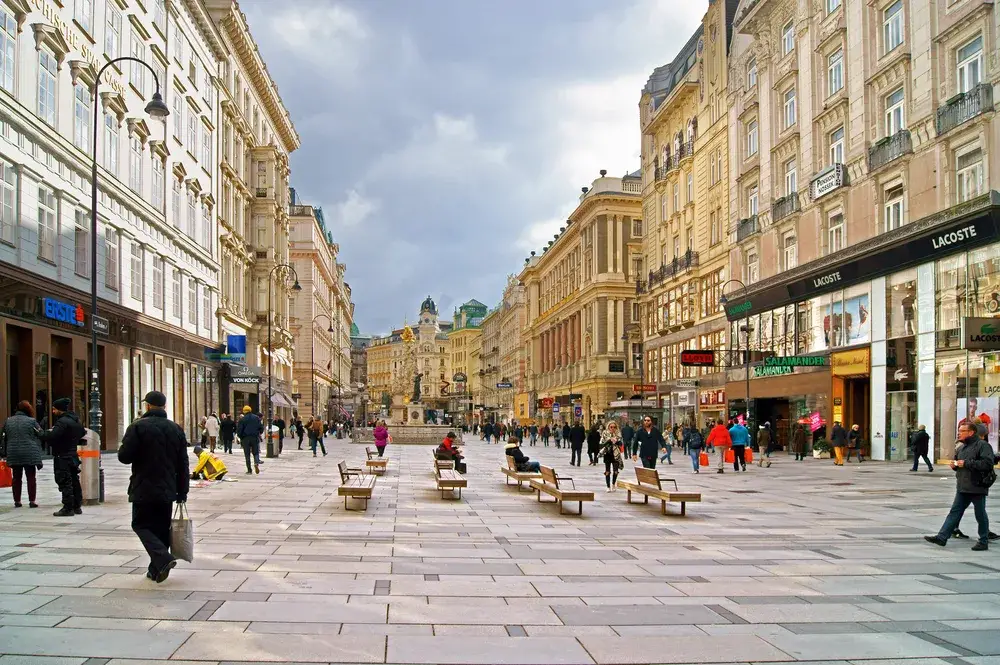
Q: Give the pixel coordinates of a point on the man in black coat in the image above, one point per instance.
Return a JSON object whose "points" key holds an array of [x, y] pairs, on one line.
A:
{"points": [[577, 435], [63, 439], [920, 444], [628, 434], [280, 424], [249, 430], [227, 431], [649, 441], [156, 448]]}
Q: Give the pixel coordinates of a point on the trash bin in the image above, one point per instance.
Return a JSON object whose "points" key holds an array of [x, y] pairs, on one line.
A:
{"points": [[90, 467], [273, 445]]}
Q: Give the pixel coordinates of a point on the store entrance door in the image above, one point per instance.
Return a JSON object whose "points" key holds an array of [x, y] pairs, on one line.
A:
{"points": [[857, 391], [902, 407]]}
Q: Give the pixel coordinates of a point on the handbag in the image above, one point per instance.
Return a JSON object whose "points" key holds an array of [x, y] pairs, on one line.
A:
{"points": [[730, 456], [703, 459], [6, 475], [748, 455], [182, 534]]}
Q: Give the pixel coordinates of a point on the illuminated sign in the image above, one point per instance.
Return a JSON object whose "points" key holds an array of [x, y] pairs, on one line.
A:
{"points": [[64, 312], [694, 358]]}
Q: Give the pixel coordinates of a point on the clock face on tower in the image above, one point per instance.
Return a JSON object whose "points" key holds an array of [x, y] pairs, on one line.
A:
{"points": [[426, 320]]}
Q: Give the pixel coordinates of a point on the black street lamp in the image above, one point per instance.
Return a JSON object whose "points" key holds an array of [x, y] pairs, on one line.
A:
{"points": [[638, 358], [312, 356], [155, 109], [271, 451], [723, 300]]}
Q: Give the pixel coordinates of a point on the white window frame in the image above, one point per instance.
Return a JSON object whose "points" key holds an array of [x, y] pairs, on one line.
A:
{"points": [[178, 114], [81, 244], [81, 116], [713, 229], [895, 111], [791, 177], [192, 135], [48, 210], [836, 231], [664, 208], [83, 12], [789, 250], [192, 296], [753, 138], [892, 27], [160, 15], [157, 282], [206, 147], [752, 74], [969, 179], [894, 214], [110, 148], [837, 144], [192, 216], [788, 38], [832, 5], [752, 266], [158, 183], [206, 226], [8, 49], [111, 251], [835, 72], [175, 203], [48, 72], [8, 201], [137, 73], [690, 188], [206, 308], [753, 200], [135, 164], [969, 69], [788, 107], [677, 197], [135, 271], [177, 294]]}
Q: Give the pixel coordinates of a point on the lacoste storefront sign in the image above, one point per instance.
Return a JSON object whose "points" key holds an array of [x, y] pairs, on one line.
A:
{"points": [[981, 334]]}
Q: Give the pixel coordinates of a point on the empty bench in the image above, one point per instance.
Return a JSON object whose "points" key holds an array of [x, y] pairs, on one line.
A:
{"points": [[649, 484], [511, 473], [377, 465], [549, 484], [355, 484], [447, 479]]}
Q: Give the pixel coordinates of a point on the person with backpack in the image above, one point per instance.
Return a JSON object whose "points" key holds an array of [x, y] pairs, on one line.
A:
{"points": [[694, 442], [974, 475]]}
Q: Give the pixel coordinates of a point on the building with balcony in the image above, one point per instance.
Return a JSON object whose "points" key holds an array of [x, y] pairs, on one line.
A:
{"points": [[494, 408], [256, 138], [466, 345], [885, 110], [157, 260], [580, 297], [686, 212]]}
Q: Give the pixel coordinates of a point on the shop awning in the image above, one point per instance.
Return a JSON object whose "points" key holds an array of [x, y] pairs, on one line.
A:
{"points": [[280, 400]]}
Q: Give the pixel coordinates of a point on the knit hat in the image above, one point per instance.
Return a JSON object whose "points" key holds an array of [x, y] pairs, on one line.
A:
{"points": [[247, 409], [198, 450], [62, 404]]}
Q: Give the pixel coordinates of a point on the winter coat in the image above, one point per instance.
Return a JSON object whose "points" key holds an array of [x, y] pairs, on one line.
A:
{"points": [[739, 435], [447, 451], [156, 448], [920, 442], [799, 440], [650, 442], [227, 428], [210, 465], [577, 435], [978, 457], [719, 436], [212, 426], [21, 444], [764, 439], [627, 435], [250, 426], [520, 459], [593, 440], [611, 449], [65, 434], [381, 435], [854, 438], [839, 437], [566, 431], [694, 439]]}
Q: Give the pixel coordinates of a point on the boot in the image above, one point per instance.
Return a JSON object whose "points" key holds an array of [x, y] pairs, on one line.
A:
{"points": [[64, 512]]}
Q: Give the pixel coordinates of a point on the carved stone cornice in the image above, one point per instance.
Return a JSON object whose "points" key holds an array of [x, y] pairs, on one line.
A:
{"points": [[834, 112]]}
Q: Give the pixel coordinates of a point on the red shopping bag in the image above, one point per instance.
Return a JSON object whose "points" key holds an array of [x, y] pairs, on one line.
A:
{"points": [[747, 455], [703, 459], [6, 475], [730, 456]]}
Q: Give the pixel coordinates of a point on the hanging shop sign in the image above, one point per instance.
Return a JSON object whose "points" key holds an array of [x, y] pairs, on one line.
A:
{"points": [[795, 361], [644, 387], [546, 403], [242, 374], [979, 334], [851, 363], [761, 371], [62, 312], [459, 377], [696, 358]]}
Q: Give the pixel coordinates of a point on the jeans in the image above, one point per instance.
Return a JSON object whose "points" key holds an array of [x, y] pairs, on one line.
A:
{"points": [[534, 439], [850, 453], [739, 461], [151, 523], [67, 475], [317, 440], [694, 453], [251, 449], [575, 455], [592, 457], [666, 456], [916, 462], [954, 518], [29, 471], [610, 473], [534, 467]]}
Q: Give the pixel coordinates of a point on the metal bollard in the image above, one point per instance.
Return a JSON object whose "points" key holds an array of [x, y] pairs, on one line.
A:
{"points": [[90, 467]]}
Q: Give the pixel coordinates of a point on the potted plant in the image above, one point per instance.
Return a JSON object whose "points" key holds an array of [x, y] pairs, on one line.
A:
{"points": [[822, 449]]}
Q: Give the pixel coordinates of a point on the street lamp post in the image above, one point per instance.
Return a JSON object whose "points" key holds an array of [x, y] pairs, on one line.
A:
{"points": [[270, 350], [155, 109], [638, 358], [312, 357], [723, 300]]}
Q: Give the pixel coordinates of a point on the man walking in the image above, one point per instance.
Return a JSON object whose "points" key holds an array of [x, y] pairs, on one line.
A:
{"points": [[280, 424], [249, 430], [628, 433], [156, 448], [577, 435], [533, 433], [920, 443], [648, 441], [227, 430], [740, 436], [63, 439], [839, 441], [973, 466]]}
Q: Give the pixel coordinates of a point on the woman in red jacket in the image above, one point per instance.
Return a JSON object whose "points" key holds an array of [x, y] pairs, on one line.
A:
{"points": [[719, 437]]}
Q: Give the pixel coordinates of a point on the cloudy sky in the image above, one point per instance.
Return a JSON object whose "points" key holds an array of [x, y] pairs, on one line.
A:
{"points": [[446, 139]]}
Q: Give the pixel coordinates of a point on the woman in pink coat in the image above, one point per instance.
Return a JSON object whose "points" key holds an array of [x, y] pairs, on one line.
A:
{"points": [[381, 434]]}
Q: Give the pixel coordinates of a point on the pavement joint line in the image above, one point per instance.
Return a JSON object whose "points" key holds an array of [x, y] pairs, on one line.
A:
{"points": [[726, 614], [944, 644]]}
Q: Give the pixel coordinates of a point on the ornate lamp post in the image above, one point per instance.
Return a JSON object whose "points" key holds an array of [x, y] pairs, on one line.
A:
{"points": [[270, 350], [723, 300], [155, 109]]}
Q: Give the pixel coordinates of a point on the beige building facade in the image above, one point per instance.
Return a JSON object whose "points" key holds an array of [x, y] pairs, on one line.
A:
{"points": [[579, 296], [861, 217], [466, 337]]}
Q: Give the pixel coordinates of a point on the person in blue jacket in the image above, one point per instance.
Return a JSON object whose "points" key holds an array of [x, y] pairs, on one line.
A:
{"points": [[741, 439], [249, 430]]}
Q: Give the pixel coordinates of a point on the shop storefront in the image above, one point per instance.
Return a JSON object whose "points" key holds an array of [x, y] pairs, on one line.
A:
{"points": [[889, 316], [712, 405]]}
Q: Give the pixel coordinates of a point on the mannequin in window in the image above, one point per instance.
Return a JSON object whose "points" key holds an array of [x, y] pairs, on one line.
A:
{"points": [[907, 306]]}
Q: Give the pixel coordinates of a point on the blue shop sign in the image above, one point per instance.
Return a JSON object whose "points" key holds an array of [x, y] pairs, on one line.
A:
{"points": [[64, 312]]}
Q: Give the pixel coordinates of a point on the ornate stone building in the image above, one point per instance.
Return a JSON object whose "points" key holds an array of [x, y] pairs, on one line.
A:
{"points": [[466, 346]]}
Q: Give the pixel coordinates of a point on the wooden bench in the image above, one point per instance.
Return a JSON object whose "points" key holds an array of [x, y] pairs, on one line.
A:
{"points": [[649, 484], [448, 480], [511, 473], [376, 464], [549, 483], [441, 463], [354, 484]]}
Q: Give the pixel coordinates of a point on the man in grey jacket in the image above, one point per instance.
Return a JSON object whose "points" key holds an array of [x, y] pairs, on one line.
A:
{"points": [[974, 458]]}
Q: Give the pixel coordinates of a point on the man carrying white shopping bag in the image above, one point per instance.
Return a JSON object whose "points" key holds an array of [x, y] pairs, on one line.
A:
{"points": [[156, 447]]}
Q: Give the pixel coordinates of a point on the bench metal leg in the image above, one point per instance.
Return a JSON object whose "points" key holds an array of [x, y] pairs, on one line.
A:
{"points": [[663, 507], [645, 500], [628, 496], [683, 507], [580, 510]]}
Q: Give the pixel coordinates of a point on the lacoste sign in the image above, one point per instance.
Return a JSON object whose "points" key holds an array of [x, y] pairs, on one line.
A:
{"points": [[981, 334]]}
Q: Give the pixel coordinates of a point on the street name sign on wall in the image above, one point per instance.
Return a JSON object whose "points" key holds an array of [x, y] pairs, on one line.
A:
{"points": [[504, 385], [101, 325]]}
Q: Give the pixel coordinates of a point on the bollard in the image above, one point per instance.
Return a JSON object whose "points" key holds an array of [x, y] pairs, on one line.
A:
{"points": [[90, 467]]}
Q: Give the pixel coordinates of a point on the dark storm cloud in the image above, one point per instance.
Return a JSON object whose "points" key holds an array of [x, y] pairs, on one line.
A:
{"points": [[446, 138]]}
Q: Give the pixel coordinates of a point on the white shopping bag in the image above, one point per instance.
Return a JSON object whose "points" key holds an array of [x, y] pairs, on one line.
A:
{"points": [[182, 534]]}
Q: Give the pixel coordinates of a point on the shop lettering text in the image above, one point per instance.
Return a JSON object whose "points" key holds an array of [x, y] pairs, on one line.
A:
{"points": [[968, 233], [60, 311], [992, 390], [795, 361], [761, 372], [738, 309], [827, 280], [698, 358]]}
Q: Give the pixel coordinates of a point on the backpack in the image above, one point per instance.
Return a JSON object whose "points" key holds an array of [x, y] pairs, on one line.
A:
{"points": [[694, 439], [985, 479]]}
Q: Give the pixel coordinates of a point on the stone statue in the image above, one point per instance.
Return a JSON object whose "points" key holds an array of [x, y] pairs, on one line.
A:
{"points": [[416, 387]]}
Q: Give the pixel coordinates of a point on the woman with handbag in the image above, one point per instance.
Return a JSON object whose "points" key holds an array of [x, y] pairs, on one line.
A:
{"points": [[21, 448], [611, 453]]}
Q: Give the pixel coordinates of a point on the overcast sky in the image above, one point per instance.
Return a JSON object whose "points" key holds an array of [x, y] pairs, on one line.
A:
{"points": [[446, 139]]}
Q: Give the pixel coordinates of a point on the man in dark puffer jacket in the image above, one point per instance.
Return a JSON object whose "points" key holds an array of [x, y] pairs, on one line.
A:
{"points": [[63, 439]]}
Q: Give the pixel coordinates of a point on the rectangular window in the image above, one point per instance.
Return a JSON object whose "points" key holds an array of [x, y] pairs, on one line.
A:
{"points": [[787, 38], [8, 49], [135, 165], [157, 282], [175, 293], [81, 244], [113, 32], [752, 201], [713, 231], [135, 272], [753, 267], [192, 145], [206, 147], [178, 114], [192, 220], [752, 139], [752, 74], [788, 108], [180, 41], [790, 248], [83, 12], [636, 228], [835, 72], [206, 227], [110, 147], [690, 188], [47, 70], [46, 224], [192, 297], [837, 146], [206, 309], [137, 73], [175, 204], [8, 202], [831, 5], [158, 184], [718, 159], [81, 117], [894, 208], [892, 26], [160, 15], [969, 167], [111, 259], [895, 118], [835, 232], [677, 198], [970, 64], [791, 178], [664, 210]]}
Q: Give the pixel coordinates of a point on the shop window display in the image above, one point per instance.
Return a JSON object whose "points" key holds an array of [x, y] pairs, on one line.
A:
{"points": [[967, 387], [900, 304], [984, 281], [950, 301]]}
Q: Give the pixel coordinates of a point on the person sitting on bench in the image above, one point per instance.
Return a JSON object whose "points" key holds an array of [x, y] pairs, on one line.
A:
{"points": [[209, 466], [449, 451], [513, 449]]}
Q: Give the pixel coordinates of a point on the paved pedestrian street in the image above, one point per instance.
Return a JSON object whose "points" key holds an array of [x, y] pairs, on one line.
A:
{"points": [[798, 562]]}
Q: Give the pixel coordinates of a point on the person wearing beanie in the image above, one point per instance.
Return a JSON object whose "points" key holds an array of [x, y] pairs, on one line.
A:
{"points": [[209, 466], [249, 430], [156, 447], [64, 437]]}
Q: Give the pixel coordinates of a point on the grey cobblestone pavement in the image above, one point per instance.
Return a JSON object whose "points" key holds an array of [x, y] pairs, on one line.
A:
{"points": [[803, 561]]}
